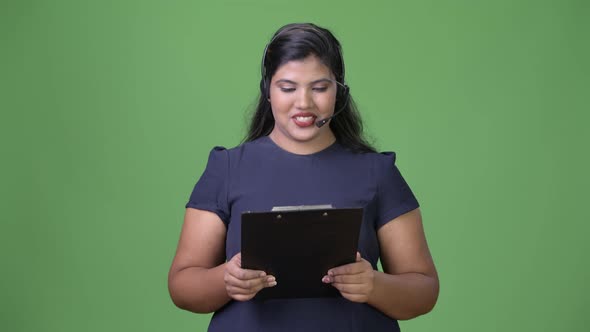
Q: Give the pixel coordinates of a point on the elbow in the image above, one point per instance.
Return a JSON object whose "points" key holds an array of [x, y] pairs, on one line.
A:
{"points": [[175, 293], [415, 312], [182, 300], [176, 296], [421, 307], [183, 303], [179, 302], [189, 307]]}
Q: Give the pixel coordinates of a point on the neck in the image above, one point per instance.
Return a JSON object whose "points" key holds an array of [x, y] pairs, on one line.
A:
{"points": [[303, 147]]}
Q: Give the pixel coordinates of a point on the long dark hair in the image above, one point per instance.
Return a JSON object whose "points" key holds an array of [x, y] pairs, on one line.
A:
{"points": [[296, 42]]}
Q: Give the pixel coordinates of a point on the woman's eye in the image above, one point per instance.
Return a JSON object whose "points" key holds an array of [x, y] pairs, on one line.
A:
{"points": [[320, 89], [287, 89]]}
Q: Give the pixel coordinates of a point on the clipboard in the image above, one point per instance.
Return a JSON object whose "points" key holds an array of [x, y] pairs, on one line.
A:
{"points": [[298, 246]]}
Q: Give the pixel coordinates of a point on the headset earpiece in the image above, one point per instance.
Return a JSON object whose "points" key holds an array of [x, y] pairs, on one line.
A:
{"points": [[341, 95]]}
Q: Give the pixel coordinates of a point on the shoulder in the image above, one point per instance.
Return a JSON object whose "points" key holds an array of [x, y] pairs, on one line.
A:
{"points": [[385, 159], [382, 166], [258, 145], [379, 160], [236, 153]]}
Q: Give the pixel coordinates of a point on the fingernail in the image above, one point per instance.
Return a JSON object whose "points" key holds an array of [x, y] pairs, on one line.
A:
{"points": [[272, 284], [330, 273], [262, 274], [326, 279], [270, 279]]}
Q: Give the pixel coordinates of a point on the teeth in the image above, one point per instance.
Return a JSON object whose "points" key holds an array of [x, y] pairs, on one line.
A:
{"points": [[304, 118]]}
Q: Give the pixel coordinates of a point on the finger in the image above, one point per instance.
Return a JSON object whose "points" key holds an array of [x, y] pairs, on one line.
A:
{"points": [[237, 256], [244, 274], [255, 284], [242, 294], [351, 288], [352, 268], [241, 297], [349, 279], [358, 257], [234, 291], [360, 266], [238, 289]]}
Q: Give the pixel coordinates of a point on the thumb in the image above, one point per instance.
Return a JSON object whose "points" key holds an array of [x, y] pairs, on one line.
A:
{"points": [[238, 259], [358, 256]]}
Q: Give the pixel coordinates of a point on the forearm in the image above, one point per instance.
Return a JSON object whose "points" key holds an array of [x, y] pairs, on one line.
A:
{"points": [[199, 290], [404, 296]]}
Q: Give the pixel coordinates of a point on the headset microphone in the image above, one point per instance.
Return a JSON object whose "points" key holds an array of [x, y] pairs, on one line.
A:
{"points": [[321, 123]]}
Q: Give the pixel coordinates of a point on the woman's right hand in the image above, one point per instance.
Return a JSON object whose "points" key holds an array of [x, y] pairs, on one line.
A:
{"points": [[242, 284]]}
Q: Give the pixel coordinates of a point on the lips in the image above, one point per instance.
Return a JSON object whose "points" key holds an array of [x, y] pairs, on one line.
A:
{"points": [[304, 119]]}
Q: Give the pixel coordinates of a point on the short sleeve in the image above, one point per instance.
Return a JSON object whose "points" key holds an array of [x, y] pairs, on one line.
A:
{"points": [[210, 192], [394, 196]]}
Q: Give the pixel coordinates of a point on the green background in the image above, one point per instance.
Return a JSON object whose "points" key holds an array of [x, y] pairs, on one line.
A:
{"points": [[109, 110]]}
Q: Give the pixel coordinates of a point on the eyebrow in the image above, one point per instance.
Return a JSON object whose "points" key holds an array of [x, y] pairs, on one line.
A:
{"points": [[321, 80]]}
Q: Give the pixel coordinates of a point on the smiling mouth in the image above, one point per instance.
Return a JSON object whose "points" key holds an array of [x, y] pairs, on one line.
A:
{"points": [[305, 120]]}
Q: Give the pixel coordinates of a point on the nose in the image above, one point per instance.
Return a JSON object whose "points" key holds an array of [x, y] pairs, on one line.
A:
{"points": [[304, 99]]}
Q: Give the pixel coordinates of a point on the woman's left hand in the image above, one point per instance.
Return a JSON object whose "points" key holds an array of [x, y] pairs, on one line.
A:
{"points": [[354, 280]]}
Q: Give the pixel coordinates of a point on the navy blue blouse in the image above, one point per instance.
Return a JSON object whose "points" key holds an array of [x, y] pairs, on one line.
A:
{"points": [[258, 175]]}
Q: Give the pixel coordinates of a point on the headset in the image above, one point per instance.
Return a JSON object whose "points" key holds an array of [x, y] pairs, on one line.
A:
{"points": [[343, 91]]}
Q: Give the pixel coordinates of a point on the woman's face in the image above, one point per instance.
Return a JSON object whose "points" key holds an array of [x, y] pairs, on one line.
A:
{"points": [[302, 92]]}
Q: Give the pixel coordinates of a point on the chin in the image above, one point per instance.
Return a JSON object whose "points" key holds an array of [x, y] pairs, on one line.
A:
{"points": [[304, 137]]}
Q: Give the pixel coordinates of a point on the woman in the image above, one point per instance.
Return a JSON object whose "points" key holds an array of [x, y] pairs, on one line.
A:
{"points": [[304, 147]]}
